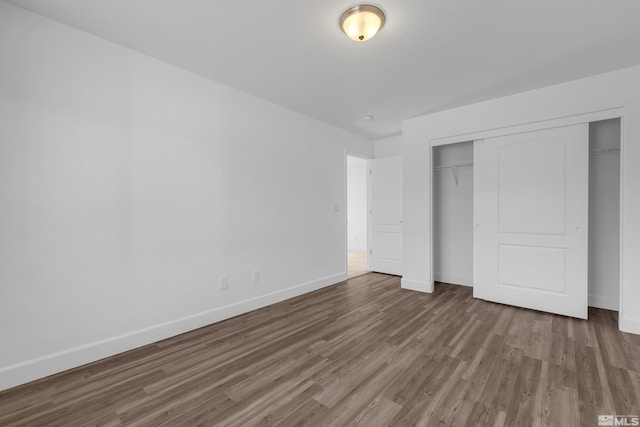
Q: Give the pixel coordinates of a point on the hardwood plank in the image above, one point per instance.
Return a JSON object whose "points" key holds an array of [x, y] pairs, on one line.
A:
{"points": [[378, 413], [311, 413], [278, 412]]}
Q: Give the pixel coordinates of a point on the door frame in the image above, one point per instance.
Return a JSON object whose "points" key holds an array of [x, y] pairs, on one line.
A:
{"points": [[613, 113], [349, 153]]}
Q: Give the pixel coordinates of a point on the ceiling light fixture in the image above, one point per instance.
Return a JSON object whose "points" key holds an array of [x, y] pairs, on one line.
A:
{"points": [[362, 22]]}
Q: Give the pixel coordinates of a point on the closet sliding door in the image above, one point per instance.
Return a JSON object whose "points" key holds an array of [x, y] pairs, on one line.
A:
{"points": [[531, 220]]}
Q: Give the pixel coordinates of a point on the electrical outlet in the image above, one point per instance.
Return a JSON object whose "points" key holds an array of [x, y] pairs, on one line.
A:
{"points": [[224, 283], [256, 276]]}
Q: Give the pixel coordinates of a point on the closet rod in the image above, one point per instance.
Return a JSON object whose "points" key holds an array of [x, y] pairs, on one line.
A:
{"points": [[605, 150], [461, 165], [453, 169]]}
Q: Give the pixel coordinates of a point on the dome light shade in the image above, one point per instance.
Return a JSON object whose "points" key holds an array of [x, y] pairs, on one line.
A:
{"points": [[362, 22]]}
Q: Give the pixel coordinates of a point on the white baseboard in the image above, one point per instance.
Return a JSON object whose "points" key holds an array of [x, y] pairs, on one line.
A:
{"points": [[30, 370], [416, 285], [606, 302], [631, 326], [454, 280], [358, 248]]}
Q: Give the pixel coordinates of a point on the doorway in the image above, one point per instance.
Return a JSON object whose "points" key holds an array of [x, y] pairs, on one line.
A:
{"points": [[357, 216]]}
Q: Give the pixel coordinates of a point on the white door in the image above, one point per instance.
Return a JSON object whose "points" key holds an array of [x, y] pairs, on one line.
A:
{"points": [[531, 220], [386, 215]]}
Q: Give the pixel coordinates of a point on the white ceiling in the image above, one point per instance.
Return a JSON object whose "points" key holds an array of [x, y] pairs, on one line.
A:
{"points": [[431, 55]]}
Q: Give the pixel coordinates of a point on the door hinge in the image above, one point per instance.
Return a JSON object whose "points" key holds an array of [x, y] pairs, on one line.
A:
{"points": [[370, 251], [370, 172]]}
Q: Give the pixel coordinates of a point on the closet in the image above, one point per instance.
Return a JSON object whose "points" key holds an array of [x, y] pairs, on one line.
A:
{"points": [[453, 213], [604, 214], [547, 217]]}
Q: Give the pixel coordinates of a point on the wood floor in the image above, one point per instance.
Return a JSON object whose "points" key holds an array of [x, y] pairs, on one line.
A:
{"points": [[363, 353], [357, 264]]}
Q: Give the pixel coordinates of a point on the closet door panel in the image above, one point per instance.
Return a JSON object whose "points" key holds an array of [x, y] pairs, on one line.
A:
{"points": [[531, 186], [531, 243]]}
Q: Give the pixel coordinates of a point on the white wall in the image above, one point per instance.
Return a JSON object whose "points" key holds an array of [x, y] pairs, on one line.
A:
{"points": [[453, 215], [356, 203], [128, 187], [611, 91], [604, 215], [388, 147]]}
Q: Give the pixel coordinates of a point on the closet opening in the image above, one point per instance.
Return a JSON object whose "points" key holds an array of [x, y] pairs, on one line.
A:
{"points": [[453, 213], [604, 214]]}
